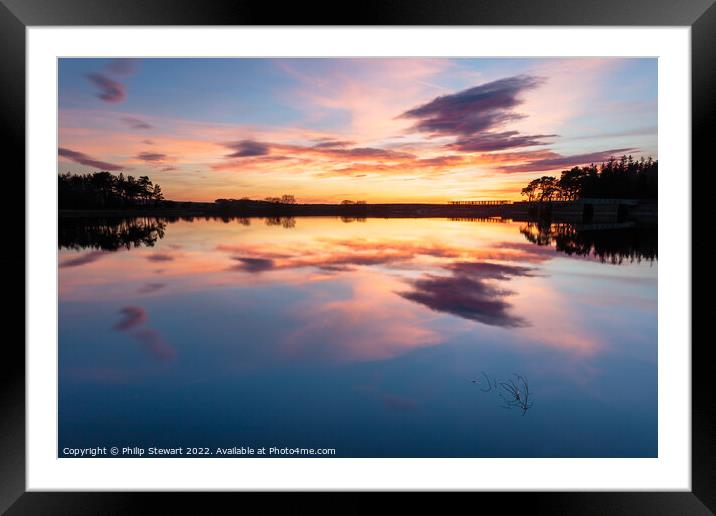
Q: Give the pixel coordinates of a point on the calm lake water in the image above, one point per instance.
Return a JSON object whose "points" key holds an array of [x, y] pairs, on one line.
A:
{"points": [[377, 337]]}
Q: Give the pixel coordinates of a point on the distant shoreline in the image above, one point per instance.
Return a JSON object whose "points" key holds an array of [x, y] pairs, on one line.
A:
{"points": [[261, 209], [601, 209]]}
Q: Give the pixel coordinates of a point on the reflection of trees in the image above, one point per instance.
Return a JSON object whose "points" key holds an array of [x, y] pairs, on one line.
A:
{"points": [[540, 233], [615, 245], [478, 219], [285, 222], [110, 234]]}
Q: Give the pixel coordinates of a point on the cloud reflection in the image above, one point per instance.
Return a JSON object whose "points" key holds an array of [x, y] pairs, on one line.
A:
{"points": [[133, 318], [253, 264], [340, 255], [469, 294], [349, 292], [149, 288], [160, 257], [155, 343], [370, 324], [84, 259]]}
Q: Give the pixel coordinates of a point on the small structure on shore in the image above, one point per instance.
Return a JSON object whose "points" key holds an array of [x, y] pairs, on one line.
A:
{"points": [[479, 203]]}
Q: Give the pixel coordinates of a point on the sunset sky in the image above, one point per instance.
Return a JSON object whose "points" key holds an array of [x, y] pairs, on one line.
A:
{"points": [[374, 129]]}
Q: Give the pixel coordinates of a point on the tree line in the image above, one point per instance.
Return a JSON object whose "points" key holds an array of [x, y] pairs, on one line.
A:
{"points": [[105, 190], [284, 199], [623, 178]]}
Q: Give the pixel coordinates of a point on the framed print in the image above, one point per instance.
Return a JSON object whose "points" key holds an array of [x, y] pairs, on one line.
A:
{"points": [[420, 250]]}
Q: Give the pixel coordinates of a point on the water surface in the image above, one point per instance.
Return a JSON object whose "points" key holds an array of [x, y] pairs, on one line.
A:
{"points": [[377, 337]]}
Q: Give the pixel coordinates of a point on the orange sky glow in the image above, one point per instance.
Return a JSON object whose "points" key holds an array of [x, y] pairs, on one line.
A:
{"points": [[324, 130]]}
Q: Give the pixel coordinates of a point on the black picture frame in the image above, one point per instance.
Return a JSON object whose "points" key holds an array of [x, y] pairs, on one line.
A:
{"points": [[17, 15]]}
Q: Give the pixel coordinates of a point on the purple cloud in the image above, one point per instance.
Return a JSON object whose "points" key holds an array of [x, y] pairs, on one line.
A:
{"points": [[109, 89], [332, 148], [84, 159], [151, 156], [539, 165], [487, 142], [367, 153], [136, 123], [247, 148], [473, 110], [327, 143]]}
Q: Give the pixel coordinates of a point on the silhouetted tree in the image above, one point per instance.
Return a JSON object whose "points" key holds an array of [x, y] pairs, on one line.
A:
{"points": [[545, 188], [105, 190], [157, 194], [284, 199]]}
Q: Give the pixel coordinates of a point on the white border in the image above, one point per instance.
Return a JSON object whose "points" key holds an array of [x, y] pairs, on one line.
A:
{"points": [[671, 471]]}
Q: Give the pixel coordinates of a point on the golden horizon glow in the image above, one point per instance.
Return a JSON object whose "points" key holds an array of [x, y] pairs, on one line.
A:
{"points": [[325, 130]]}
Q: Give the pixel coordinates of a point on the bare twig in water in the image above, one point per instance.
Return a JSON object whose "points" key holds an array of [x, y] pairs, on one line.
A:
{"points": [[515, 393], [490, 383]]}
